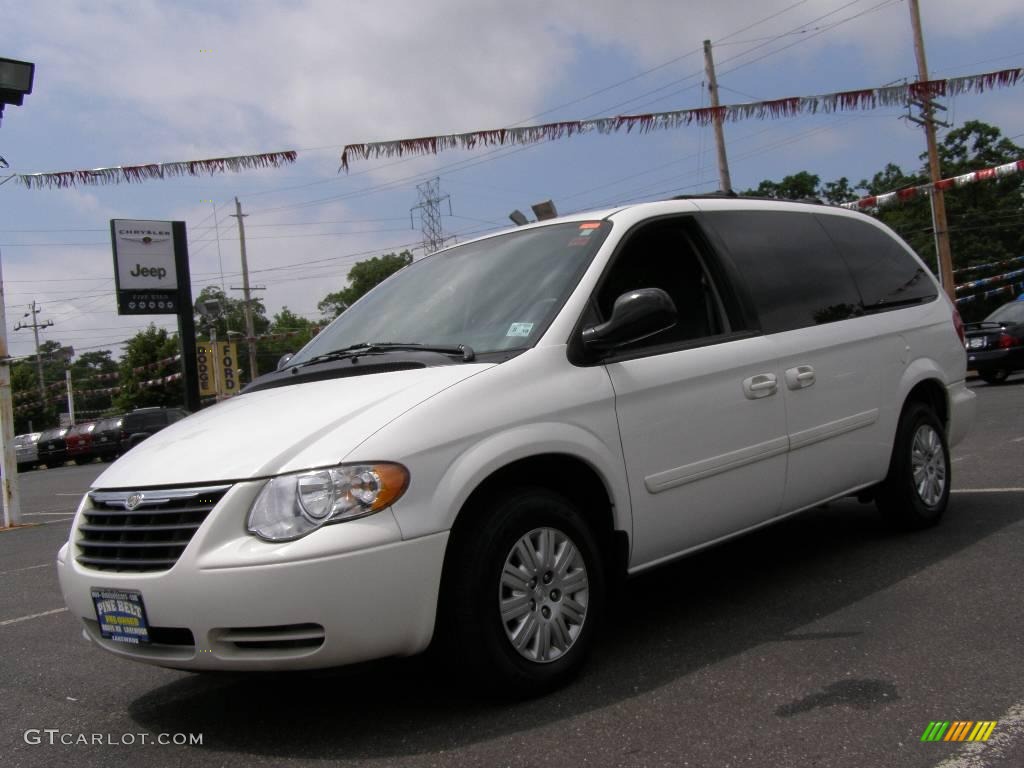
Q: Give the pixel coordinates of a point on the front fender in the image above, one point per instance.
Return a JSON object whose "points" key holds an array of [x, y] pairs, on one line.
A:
{"points": [[486, 457]]}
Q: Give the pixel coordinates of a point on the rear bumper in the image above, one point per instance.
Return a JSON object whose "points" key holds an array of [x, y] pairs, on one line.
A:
{"points": [[996, 360], [962, 407]]}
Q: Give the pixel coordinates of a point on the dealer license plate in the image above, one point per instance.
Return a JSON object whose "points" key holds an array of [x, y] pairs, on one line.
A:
{"points": [[976, 343], [122, 615]]}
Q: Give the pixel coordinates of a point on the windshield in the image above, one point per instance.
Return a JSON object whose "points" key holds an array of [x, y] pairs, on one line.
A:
{"points": [[1008, 313], [492, 295]]}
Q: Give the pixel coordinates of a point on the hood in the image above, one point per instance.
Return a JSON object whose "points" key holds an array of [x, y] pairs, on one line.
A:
{"points": [[272, 431]]}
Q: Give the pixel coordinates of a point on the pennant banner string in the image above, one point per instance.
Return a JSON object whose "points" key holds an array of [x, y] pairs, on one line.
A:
{"points": [[869, 98], [909, 193], [137, 173]]}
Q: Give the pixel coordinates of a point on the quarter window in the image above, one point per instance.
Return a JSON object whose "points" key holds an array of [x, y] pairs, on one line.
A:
{"points": [[887, 276]]}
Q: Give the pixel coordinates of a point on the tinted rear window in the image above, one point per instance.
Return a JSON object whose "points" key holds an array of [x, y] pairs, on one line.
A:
{"points": [[795, 276], [136, 421], [887, 276]]}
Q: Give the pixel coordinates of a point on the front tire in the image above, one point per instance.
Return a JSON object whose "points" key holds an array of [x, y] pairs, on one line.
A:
{"points": [[915, 493], [525, 592]]}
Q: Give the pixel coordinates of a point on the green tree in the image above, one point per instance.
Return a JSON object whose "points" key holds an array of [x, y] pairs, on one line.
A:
{"points": [[90, 373], [806, 186], [232, 315], [799, 186], [363, 276], [288, 332], [25, 389], [141, 363]]}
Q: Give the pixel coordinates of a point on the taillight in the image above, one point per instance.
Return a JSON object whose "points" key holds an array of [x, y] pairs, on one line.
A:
{"points": [[958, 324], [1005, 341]]}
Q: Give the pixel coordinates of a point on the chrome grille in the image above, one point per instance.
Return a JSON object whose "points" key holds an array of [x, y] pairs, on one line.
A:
{"points": [[145, 530]]}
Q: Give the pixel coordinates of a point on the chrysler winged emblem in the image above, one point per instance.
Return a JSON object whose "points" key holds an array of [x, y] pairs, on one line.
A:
{"points": [[133, 501]]}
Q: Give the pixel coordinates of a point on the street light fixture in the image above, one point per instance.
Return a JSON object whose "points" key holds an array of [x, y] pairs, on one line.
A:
{"points": [[15, 82], [544, 210]]}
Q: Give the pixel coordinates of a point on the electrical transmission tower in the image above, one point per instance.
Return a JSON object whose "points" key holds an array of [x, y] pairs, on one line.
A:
{"points": [[429, 207]]}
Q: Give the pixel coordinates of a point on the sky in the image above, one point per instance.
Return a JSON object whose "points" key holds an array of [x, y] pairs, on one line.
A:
{"points": [[121, 83]]}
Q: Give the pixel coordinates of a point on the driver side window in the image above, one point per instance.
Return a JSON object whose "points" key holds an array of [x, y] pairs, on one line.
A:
{"points": [[663, 255]]}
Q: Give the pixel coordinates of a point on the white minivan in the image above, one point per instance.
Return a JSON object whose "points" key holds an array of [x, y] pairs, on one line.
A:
{"points": [[480, 445]]}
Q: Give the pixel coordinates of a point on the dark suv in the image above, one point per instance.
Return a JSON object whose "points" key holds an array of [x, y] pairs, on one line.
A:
{"points": [[139, 424], [106, 438], [53, 449]]}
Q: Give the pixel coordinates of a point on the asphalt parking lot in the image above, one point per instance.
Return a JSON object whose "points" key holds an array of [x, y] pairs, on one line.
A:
{"points": [[826, 640]]}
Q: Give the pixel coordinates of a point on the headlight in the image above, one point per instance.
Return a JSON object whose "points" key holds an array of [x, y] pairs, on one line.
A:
{"points": [[290, 506]]}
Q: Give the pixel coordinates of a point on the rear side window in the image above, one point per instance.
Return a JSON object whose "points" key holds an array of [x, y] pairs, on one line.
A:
{"points": [[138, 421], [793, 272], [886, 275]]}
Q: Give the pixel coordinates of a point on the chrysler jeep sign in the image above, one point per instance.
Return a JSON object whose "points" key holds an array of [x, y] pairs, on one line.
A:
{"points": [[145, 267]]}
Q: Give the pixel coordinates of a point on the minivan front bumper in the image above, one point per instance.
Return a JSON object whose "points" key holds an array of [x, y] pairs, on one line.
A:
{"points": [[344, 594]]}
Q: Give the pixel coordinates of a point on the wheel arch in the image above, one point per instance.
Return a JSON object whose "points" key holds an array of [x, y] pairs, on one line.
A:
{"points": [[564, 473], [928, 388]]}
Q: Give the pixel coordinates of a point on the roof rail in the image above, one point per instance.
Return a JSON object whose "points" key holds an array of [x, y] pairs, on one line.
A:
{"points": [[734, 196]]}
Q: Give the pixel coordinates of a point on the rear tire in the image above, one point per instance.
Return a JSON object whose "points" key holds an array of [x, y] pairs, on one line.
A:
{"points": [[915, 493], [524, 594]]}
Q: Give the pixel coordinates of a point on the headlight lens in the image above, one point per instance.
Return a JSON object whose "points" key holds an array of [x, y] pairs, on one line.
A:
{"points": [[291, 506]]}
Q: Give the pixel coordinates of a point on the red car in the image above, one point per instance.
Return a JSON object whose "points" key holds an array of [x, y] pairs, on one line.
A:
{"points": [[79, 442]]}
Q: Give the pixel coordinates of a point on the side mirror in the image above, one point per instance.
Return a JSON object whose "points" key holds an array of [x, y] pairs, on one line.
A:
{"points": [[635, 316], [284, 360]]}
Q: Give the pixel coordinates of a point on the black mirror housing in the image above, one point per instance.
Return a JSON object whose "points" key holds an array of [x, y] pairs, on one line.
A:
{"points": [[636, 315]]}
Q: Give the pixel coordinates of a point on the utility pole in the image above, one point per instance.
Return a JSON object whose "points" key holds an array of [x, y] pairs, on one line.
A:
{"points": [[716, 119], [71, 395], [33, 309], [940, 226], [250, 333], [9, 482], [429, 207]]}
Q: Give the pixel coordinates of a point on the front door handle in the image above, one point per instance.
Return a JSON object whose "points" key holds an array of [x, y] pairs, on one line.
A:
{"points": [[761, 385], [800, 377]]}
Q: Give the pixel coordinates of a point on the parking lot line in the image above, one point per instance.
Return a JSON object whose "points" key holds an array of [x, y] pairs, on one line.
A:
{"points": [[987, 490], [26, 568], [32, 616]]}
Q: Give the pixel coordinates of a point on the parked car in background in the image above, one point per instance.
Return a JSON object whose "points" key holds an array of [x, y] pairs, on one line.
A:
{"points": [[26, 450], [106, 438], [141, 423], [995, 346], [52, 449], [79, 442]]}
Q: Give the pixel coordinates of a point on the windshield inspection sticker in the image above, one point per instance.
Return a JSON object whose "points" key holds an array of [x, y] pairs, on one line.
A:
{"points": [[519, 329]]}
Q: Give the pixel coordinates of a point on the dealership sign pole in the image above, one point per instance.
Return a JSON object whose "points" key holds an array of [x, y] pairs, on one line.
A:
{"points": [[152, 278]]}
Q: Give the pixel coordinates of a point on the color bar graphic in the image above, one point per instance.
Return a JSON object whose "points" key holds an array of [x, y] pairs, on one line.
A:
{"points": [[958, 730]]}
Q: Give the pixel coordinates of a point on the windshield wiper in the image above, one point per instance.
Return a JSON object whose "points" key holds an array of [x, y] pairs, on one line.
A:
{"points": [[468, 355], [353, 351]]}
